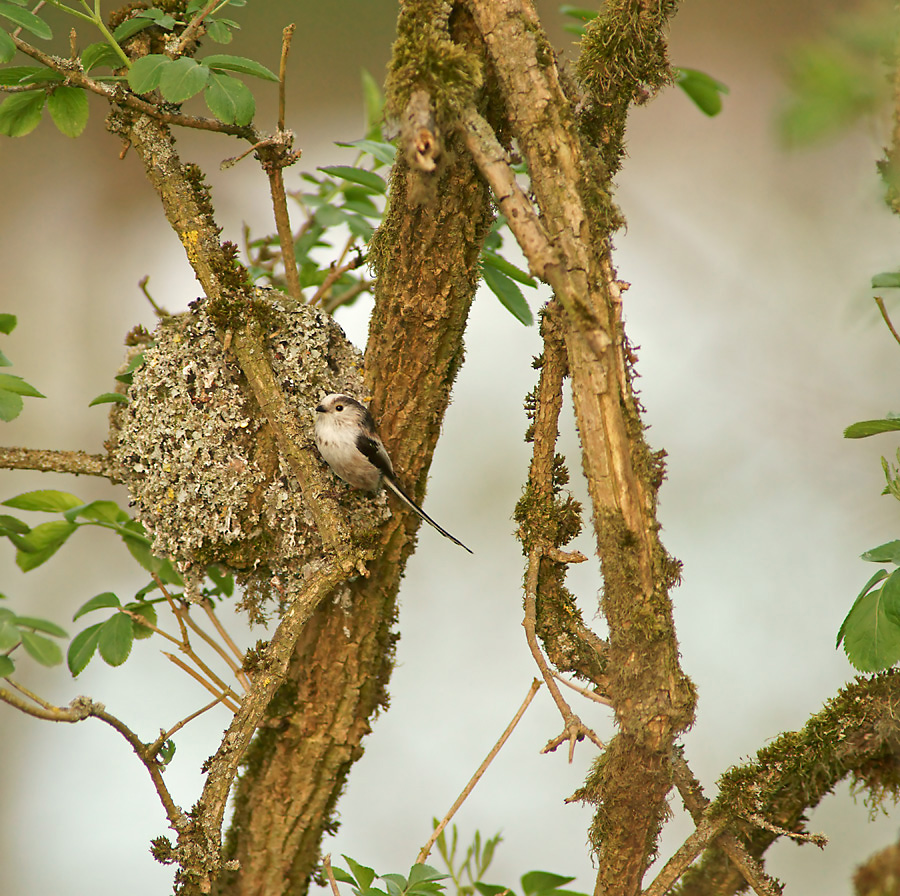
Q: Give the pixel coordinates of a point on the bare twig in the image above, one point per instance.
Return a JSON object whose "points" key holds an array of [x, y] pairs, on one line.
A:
{"points": [[185, 613], [335, 274], [83, 708], [191, 32], [696, 804], [574, 729], [287, 36], [77, 462], [591, 695], [223, 633], [159, 312], [224, 693], [880, 303], [179, 725], [329, 873], [819, 840], [283, 226], [426, 849], [707, 832]]}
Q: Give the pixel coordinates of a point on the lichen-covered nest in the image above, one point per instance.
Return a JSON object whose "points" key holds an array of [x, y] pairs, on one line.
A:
{"points": [[199, 458]]}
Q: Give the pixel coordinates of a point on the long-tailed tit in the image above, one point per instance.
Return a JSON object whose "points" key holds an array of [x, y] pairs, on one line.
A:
{"points": [[346, 438]]}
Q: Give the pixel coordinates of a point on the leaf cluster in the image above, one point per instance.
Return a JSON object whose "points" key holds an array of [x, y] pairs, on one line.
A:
{"points": [[12, 388], [870, 632], [422, 880], [112, 638], [177, 79]]}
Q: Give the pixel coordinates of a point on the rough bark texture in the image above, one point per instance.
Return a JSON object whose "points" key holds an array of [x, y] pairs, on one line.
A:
{"points": [[426, 257], [569, 182]]}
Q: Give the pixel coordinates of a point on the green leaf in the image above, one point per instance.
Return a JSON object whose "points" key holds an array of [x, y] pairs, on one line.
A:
{"points": [[68, 107], [240, 64], [491, 889], [225, 583], [10, 524], [102, 511], [28, 560], [127, 375], [101, 601], [884, 553], [7, 666], [145, 611], [18, 74], [368, 179], [507, 267], [509, 294], [383, 152], [886, 280], [871, 428], [27, 20], [42, 649], [166, 752], [116, 637], [870, 637], [82, 648], [343, 876], [363, 875], [229, 99], [702, 89], [183, 79], [99, 54], [20, 113], [145, 73], [8, 323], [46, 500], [12, 383], [41, 625], [578, 12], [140, 550], [218, 31], [7, 51], [4, 361], [10, 405], [9, 634], [373, 100], [536, 881], [422, 872], [109, 398], [47, 535], [132, 26]]}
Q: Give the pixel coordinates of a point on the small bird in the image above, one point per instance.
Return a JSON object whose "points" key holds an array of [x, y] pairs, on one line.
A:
{"points": [[347, 440]]}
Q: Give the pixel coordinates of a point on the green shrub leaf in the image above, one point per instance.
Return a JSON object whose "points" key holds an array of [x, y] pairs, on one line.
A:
{"points": [[68, 107], [115, 640]]}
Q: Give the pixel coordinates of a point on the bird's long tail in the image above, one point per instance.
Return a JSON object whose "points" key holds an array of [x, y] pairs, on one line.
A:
{"points": [[395, 488]]}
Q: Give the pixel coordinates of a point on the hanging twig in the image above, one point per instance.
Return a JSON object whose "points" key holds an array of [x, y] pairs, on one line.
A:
{"points": [[880, 303], [426, 849]]}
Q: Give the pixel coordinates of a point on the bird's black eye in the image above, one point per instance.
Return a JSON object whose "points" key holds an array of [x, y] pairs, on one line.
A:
{"points": [[339, 407]]}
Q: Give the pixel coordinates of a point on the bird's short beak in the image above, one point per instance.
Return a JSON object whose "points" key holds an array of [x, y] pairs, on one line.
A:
{"points": [[320, 409]]}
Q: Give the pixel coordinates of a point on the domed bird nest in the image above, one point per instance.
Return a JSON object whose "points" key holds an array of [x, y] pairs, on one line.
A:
{"points": [[199, 457]]}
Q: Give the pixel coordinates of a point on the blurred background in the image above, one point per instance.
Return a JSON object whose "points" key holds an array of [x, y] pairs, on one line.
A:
{"points": [[759, 342]]}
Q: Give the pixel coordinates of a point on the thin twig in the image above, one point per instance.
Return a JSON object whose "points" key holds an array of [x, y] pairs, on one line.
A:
{"points": [[177, 727], [32, 696], [880, 303], [426, 849], [672, 871], [83, 708], [286, 36], [210, 611], [157, 310], [335, 274], [591, 695], [574, 729], [117, 94], [225, 691], [236, 669], [283, 226], [697, 804], [192, 29], [329, 873]]}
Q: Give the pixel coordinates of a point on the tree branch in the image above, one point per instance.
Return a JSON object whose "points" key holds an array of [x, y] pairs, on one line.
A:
{"points": [[48, 461]]}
